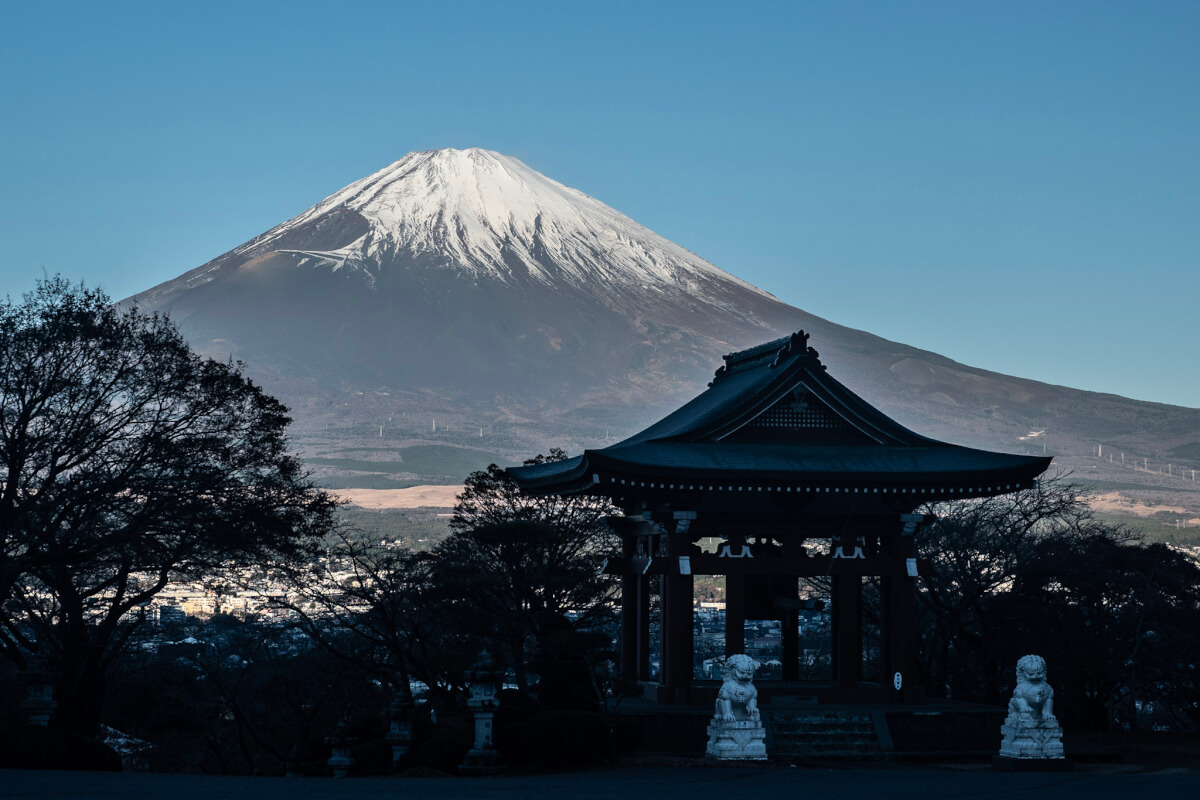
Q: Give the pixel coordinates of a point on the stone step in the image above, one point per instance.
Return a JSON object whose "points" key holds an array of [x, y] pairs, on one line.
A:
{"points": [[825, 736], [802, 729], [793, 716], [828, 749], [816, 728], [797, 736], [803, 724]]}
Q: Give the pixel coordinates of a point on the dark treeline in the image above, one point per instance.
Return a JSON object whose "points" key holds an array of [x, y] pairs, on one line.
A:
{"points": [[1117, 620], [361, 624]]}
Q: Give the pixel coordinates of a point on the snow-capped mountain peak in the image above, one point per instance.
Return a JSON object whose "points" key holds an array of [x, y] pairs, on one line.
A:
{"points": [[491, 215], [466, 270]]}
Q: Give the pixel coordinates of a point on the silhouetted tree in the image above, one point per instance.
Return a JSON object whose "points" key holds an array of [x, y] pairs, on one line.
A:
{"points": [[373, 605], [517, 563], [125, 460], [507, 575], [514, 583], [1034, 571], [248, 697], [976, 549], [1121, 622], [492, 497]]}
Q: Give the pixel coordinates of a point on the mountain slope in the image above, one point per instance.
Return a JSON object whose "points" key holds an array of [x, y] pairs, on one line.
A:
{"points": [[467, 271], [464, 285]]}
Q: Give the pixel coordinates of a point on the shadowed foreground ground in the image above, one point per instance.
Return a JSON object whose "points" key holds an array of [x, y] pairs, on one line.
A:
{"points": [[890, 781]]}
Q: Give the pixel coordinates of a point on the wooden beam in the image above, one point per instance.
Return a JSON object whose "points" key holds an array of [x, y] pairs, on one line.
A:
{"points": [[710, 564]]}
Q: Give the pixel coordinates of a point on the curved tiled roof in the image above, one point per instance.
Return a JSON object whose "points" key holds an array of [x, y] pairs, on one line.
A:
{"points": [[774, 417]]}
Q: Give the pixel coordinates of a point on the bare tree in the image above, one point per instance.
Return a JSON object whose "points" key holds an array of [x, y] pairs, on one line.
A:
{"points": [[976, 549], [373, 604], [1036, 572], [521, 563], [512, 569], [125, 459]]}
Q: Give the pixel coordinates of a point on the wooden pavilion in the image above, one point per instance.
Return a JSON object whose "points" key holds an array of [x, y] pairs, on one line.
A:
{"points": [[796, 477]]}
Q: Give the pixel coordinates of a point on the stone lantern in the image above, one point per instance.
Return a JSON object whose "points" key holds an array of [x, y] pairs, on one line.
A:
{"points": [[341, 761], [400, 722], [483, 678], [293, 766], [39, 702]]}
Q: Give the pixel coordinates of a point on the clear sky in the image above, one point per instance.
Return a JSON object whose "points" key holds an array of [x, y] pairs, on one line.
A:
{"points": [[1015, 185]]}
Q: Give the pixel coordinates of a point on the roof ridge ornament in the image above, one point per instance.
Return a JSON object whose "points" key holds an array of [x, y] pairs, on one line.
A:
{"points": [[797, 344]]}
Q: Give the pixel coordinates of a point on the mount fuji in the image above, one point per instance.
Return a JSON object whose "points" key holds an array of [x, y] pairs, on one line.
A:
{"points": [[464, 287], [466, 272]]}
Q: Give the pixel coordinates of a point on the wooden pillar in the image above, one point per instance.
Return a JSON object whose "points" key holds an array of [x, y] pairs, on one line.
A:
{"points": [[677, 636], [643, 627], [899, 632], [678, 611], [629, 625], [847, 630], [635, 621], [635, 614], [735, 614], [791, 633], [897, 595]]}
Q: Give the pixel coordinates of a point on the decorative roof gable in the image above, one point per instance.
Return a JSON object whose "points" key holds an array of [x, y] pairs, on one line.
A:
{"points": [[796, 418], [757, 389]]}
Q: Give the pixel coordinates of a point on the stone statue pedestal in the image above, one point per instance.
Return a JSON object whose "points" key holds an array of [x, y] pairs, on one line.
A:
{"points": [[1031, 731], [736, 731], [741, 739], [1026, 736]]}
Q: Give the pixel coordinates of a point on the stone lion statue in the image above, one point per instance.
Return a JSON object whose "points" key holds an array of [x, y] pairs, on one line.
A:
{"points": [[738, 690], [1032, 696]]}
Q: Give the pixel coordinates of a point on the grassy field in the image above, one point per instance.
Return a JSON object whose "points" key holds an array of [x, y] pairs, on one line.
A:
{"points": [[1190, 451], [366, 481], [1154, 530], [1118, 486], [433, 460], [416, 529]]}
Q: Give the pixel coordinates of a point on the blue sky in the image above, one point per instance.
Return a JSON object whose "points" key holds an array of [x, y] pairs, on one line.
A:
{"points": [[1015, 185]]}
